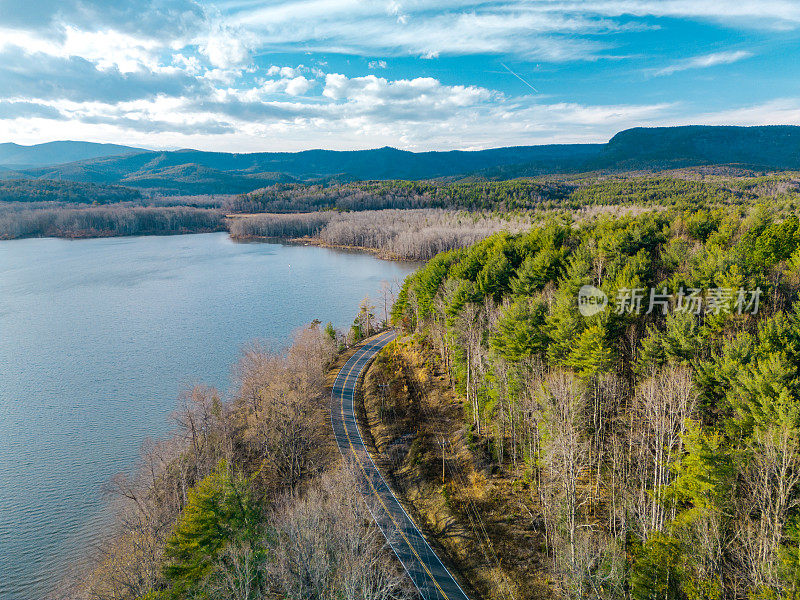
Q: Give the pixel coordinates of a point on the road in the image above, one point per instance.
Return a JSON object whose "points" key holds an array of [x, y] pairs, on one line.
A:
{"points": [[429, 575]]}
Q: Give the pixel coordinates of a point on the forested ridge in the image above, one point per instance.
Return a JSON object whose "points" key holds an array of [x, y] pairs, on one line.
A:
{"points": [[660, 448], [376, 195], [543, 193], [48, 190]]}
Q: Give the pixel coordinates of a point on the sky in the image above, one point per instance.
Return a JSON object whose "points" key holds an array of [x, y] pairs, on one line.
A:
{"points": [[288, 75]]}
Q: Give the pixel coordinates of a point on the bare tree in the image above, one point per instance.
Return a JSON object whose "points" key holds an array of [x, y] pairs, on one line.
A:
{"points": [[661, 406], [328, 547], [768, 482]]}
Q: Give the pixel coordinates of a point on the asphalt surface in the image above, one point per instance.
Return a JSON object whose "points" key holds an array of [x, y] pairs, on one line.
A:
{"points": [[429, 575]]}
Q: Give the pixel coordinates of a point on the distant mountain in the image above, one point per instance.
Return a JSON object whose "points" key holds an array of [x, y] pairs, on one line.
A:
{"points": [[196, 172], [196, 179], [6, 173], [52, 153], [381, 163], [772, 147]]}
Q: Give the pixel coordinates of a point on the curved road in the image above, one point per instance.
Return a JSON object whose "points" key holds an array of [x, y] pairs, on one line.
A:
{"points": [[429, 575]]}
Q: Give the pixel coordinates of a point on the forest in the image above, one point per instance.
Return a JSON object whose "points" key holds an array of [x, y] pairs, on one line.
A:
{"points": [[20, 220], [658, 437], [49, 190], [377, 195], [715, 186], [412, 234]]}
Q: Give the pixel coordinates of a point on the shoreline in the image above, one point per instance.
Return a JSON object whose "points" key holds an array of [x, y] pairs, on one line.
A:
{"points": [[296, 241], [312, 241], [86, 235]]}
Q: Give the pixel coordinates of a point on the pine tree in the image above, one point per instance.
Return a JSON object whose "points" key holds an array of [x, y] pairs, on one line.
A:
{"points": [[520, 331], [219, 510], [591, 353]]}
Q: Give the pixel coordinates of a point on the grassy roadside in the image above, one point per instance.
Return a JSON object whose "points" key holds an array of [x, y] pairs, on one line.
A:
{"points": [[480, 517]]}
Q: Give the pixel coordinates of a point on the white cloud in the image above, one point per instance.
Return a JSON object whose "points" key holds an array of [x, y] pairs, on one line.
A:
{"points": [[348, 113], [552, 30], [781, 111], [746, 14], [154, 19], [190, 64], [705, 61], [577, 114], [418, 99], [106, 48], [268, 88], [298, 85], [224, 47], [377, 64], [286, 72], [426, 29]]}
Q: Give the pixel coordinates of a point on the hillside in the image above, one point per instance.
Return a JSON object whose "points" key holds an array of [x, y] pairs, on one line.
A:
{"points": [[721, 151], [776, 147], [28, 190], [639, 448], [197, 179], [51, 153]]}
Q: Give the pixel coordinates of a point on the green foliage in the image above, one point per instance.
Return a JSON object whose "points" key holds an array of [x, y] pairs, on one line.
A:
{"points": [[656, 570], [375, 195], [700, 224], [330, 331], [678, 342], [536, 270], [220, 510], [656, 190], [591, 353], [48, 190], [703, 477], [498, 266], [425, 283], [521, 330]]}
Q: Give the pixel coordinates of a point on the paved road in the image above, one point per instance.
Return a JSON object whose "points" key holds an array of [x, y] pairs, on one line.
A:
{"points": [[429, 575]]}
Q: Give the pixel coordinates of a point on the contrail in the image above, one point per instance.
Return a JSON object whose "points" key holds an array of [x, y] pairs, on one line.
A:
{"points": [[520, 78]]}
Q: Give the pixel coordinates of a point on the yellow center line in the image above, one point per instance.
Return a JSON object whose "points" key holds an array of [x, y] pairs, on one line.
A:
{"points": [[369, 480]]}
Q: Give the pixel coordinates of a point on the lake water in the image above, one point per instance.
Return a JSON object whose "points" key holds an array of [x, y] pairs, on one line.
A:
{"points": [[97, 339]]}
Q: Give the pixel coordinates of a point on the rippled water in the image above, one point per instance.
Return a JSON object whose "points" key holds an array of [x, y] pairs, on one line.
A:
{"points": [[98, 337]]}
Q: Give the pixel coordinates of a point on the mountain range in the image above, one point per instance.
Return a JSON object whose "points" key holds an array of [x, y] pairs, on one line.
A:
{"points": [[199, 172], [15, 156]]}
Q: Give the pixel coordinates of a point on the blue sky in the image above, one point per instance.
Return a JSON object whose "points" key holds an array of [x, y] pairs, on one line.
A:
{"points": [[247, 75]]}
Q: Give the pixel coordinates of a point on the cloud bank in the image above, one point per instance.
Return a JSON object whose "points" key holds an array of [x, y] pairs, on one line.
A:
{"points": [[240, 75]]}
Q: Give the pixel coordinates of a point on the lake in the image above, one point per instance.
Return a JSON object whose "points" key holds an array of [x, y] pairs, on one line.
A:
{"points": [[97, 339]]}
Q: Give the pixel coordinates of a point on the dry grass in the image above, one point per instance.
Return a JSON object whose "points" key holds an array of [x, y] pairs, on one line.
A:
{"points": [[482, 517]]}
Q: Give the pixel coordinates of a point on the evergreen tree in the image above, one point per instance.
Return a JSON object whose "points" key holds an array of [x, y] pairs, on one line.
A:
{"points": [[219, 510]]}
